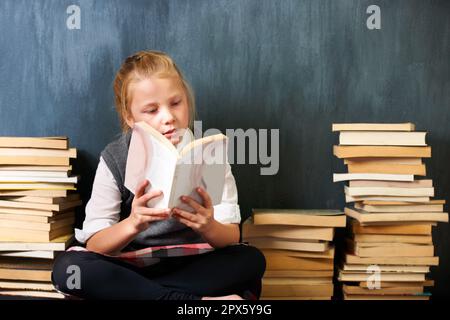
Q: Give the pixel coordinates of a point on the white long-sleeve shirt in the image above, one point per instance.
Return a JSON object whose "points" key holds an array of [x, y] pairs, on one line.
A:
{"points": [[103, 208]]}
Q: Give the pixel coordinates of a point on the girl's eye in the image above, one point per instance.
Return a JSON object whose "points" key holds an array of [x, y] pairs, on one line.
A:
{"points": [[150, 111], [176, 103]]}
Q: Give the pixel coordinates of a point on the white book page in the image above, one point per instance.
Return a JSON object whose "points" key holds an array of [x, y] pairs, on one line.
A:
{"points": [[203, 166], [160, 172], [150, 159]]}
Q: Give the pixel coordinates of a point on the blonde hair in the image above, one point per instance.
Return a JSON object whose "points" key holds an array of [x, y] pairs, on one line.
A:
{"points": [[140, 66]]}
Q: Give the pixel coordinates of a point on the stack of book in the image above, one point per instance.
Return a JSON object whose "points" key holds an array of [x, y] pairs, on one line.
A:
{"points": [[37, 203], [389, 248], [298, 250]]}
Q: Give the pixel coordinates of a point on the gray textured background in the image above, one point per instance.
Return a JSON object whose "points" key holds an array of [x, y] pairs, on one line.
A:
{"points": [[294, 65]]}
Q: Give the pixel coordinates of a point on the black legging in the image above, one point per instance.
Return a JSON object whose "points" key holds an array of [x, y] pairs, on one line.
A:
{"points": [[230, 270]]}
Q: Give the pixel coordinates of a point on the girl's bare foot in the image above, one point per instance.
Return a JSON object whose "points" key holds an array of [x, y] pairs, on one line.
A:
{"points": [[229, 297]]}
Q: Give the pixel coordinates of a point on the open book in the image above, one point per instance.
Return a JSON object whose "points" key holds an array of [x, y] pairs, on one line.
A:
{"points": [[176, 171]]}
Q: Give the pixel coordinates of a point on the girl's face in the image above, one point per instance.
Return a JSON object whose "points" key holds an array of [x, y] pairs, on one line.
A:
{"points": [[162, 103]]}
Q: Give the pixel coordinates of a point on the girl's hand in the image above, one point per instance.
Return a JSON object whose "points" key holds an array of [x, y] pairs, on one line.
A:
{"points": [[141, 216], [202, 217]]}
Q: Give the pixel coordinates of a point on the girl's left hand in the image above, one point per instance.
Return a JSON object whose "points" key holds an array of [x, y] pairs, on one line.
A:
{"points": [[203, 216]]}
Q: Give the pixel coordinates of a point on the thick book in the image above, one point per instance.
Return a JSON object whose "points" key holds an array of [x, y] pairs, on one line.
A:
{"points": [[250, 230], [393, 238], [299, 273], [380, 161], [21, 235], [199, 163], [404, 229], [386, 268], [48, 200], [28, 179], [30, 275], [387, 199], [32, 152], [396, 260], [363, 276], [299, 217], [402, 203], [36, 173], [389, 250], [288, 244], [35, 218], [409, 208], [294, 280], [394, 284], [25, 263], [425, 183], [382, 138], [35, 142], [408, 126], [26, 285], [32, 212], [297, 290], [403, 291], [387, 245], [25, 226], [280, 261], [381, 151], [7, 168], [35, 193], [414, 169], [31, 254], [365, 217], [32, 156], [60, 243], [35, 294], [329, 254], [35, 160], [337, 177], [37, 186], [389, 191], [40, 206]]}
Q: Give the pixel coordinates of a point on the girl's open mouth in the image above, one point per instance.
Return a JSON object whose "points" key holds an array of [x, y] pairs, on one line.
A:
{"points": [[170, 133]]}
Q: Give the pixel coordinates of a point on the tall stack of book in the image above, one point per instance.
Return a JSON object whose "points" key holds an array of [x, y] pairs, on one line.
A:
{"points": [[37, 203], [298, 251], [389, 246]]}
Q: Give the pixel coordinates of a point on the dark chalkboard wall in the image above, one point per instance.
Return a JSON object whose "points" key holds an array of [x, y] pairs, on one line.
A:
{"points": [[292, 65]]}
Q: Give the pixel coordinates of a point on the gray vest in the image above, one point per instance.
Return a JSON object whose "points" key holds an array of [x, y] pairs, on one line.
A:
{"points": [[165, 232]]}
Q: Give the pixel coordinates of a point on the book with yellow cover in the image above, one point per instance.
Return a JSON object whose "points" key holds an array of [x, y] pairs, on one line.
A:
{"points": [[382, 138], [408, 126], [59, 142], [381, 151], [250, 230], [60, 243], [299, 217]]}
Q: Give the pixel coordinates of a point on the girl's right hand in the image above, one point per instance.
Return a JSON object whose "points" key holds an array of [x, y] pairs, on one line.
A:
{"points": [[141, 216]]}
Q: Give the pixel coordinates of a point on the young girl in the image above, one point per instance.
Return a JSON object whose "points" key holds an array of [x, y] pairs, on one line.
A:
{"points": [[149, 87]]}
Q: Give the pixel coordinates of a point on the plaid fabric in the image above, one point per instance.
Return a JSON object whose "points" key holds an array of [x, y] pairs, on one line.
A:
{"points": [[151, 255]]}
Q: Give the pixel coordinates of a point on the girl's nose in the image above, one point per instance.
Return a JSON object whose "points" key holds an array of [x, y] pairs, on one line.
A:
{"points": [[167, 116]]}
